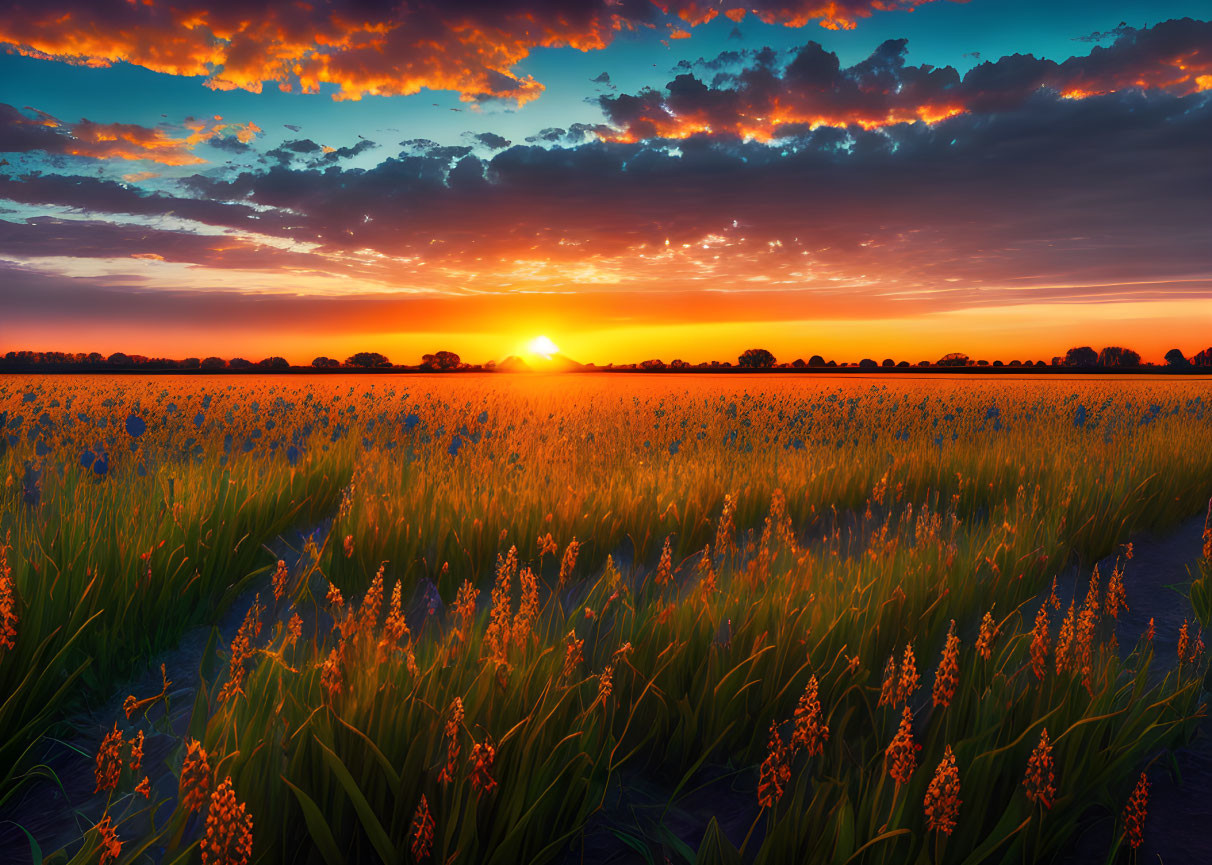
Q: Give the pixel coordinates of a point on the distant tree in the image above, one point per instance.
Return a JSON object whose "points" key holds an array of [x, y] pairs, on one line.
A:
{"points": [[367, 360], [755, 358], [94, 358], [867, 363], [323, 362], [678, 363], [1082, 356], [1116, 356], [798, 363], [1203, 358], [118, 359], [1016, 363], [903, 363], [239, 363], [923, 363], [1028, 363], [190, 363], [274, 362], [955, 358], [1175, 358], [832, 364], [441, 360], [998, 363], [652, 365], [816, 360], [887, 362], [213, 363]]}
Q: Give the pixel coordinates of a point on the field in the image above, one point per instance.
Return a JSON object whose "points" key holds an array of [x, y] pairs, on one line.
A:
{"points": [[593, 618]]}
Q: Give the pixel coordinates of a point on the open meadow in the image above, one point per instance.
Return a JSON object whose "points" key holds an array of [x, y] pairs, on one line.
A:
{"points": [[593, 618]]}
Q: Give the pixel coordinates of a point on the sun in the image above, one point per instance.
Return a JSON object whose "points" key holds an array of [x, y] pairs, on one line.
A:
{"points": [[544, 346]]}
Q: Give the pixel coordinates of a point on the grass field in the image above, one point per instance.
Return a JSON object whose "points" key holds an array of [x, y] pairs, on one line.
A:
{"points": [[813, 605]]}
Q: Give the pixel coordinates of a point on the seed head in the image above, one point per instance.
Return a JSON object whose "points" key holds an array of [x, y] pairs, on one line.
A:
{"points": [[569, 562], [1064, 641], [111, 847], [888, 688], [454, 723], [8, 603], [1135, 813], [281, 575], [901, 754], [482, 756], [942, 800], [136, 752], [909, 676], [988, 633], [195, 777], [811, 732], [1040, 778], [947, 678], [421, 832], [109, 760], [775, 771], [664, 571], [228, 839]]}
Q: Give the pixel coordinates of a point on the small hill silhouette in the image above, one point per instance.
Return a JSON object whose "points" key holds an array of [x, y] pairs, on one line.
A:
{"points": [[539, 363]]}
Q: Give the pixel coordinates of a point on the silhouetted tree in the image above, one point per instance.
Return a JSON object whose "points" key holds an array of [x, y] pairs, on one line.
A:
{"points": [[816, 360], [955, 358], [868, 363], [239, 363], [118, 359], [798, 363], [678, 363], [1116, 356], [1082, 356], [441, 360], [1203, 358], [652, 365], [323, 362], [367, 360], [998, 363], [1175, 358], [903, 363], [887, 362], [274, 362], [1016, 363], [190, 363], [755, 358], [213, 363]]}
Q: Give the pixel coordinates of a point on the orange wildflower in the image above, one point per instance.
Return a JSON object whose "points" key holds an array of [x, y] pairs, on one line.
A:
{"points": [[528, 608], [1116, 597], [942, 800], [1053, 599], [1083, 655], [349, 546], [1091, 602], [241, 651], [496, 638], [547, 545], [144, 788], [422, 831], [281, 576], [725, 533], [1064, 641], [482, 756], [8, 603], [606, 683], [775, 771], [811, 732], [664, 571], [128, 705], [334, 598], [708, 573], [195, 777], [909, 676], [901, 754], [465, 609], [988, 633], [454, 723], [331, 675], [1184, 642], [569, 562], [1149, 631], [294, 629], [573, 656], [1135, 813], [111, 847], [136, 752], [372, 603], [888, 688], [1040, 779], [228, 839], [946, 679], [109, 760]]}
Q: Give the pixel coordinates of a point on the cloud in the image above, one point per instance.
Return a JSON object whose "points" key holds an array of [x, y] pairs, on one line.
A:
{"points": [[492, 141], [766, 99], [602, 78], [362, 49], [168, 145]]}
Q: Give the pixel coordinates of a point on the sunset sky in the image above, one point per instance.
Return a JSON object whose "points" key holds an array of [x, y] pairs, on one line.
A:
{"points": [[633, 178]]}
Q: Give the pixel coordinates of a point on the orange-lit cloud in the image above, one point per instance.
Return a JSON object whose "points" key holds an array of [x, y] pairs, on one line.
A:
{"points": [[367, 49], [763, 100], [20, 132]]}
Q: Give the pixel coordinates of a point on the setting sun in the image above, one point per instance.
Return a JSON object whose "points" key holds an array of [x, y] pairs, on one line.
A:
{"points": [[544, 346]]}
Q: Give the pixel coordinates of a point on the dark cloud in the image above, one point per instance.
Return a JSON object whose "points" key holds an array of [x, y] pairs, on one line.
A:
{"points": [[492, 141], [602, 78]]}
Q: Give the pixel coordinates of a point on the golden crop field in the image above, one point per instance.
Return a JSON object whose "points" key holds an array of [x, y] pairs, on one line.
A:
{"points": [[568, 618]]}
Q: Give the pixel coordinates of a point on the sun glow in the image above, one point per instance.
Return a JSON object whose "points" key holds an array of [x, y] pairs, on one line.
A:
{"points": [[544, 346]]}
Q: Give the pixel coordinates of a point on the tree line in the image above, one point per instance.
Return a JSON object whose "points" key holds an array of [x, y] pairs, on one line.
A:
{"points": [[95, 361]]}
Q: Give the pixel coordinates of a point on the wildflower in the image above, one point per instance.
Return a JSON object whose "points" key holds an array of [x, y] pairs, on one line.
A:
{"points": [[294, 629], [195, 777], [1116, 597], [1135, 813], [909, 677], [901, 754], [1040, 777], [482, 756], [144, 788], [573, 655], [569, 562], [8, 603], [465, 609], [708, 579], [547, 545], [331, 675], [241, 651], [725, 533], [1149, 631], [372, 604], [349, 546], [496, 639], [1207, 534], [606, 683], [334, 598], [1083, 656], [1053, 599], [1184, 641], [109, 760], [528, 608], [947, 677], [811, 732], [775, 771], [422, 831], [228, 839], [136, 752], [988, 633], [1091, 602], [279, 581], [454, 723], [664, 571], [942, 800], [1128, 546], [1064, 642], [111, 847], [888, 688], [128, 705]]}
